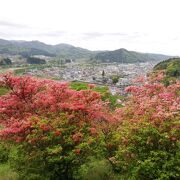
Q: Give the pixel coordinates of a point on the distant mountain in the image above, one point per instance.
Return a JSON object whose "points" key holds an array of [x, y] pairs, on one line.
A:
{"points": [[72, 52], [25, 48], [125, 56], [30, 48]]}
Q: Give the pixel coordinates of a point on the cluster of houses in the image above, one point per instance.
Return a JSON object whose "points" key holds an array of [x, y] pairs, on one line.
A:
{"points": [[100, 74], [95, 73]]}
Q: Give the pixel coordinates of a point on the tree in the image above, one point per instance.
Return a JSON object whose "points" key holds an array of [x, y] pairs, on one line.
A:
{"points": [[149, 132], [103, 73], [115, 79], [33, 60], [58, 128], [5, 61]]}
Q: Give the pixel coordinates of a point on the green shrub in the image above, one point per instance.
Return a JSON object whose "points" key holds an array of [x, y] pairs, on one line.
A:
{"points": [[115, 79], [97, 169], [6, 172], [149, 146], [4, 153], [149, 154]]}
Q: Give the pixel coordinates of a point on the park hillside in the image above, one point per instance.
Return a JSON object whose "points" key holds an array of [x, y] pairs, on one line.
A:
{"points": [[52, 130]]}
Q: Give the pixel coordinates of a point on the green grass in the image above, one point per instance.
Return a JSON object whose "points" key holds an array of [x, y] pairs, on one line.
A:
{"points": [[84, 86], [102, 90], [79, 86], [19, 71], [6, 173], [3, 91]]}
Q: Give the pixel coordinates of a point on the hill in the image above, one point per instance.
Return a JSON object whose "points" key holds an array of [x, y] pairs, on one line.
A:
{"points": [[125, 56], [24, 48], [170, 66], [69, 51], [30, 48]]}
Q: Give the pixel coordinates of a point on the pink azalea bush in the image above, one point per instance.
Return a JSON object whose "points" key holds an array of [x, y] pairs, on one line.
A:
{"points": [[149, 132], [55, 126]]}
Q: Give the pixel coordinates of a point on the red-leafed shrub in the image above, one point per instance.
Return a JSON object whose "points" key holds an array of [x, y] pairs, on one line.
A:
{"points": [[149, 132], [52, 123]]}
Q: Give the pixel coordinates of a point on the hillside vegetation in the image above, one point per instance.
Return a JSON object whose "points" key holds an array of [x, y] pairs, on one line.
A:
{"points": [[170, 66], [125, 56], [170, 69], [33, 60], [51, 130]]}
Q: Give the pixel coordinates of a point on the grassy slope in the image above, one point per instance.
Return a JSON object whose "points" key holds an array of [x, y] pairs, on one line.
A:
{"points": [[6, 173]]}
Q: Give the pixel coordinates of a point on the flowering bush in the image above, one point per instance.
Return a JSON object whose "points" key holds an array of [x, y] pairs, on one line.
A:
{"points": [[54, 127], [149, 132]]}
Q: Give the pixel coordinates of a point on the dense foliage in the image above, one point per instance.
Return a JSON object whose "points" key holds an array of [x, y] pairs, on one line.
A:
{"points": [[34, 60], [149, 132], [56, 127], [171, 67], [55, 130], [5, 61], [125, 56]]}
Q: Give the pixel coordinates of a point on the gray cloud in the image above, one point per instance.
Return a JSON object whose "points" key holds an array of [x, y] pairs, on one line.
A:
{"points": [[98, 34], [12, 24], [6, 30], [52, 33], [124, 36]]}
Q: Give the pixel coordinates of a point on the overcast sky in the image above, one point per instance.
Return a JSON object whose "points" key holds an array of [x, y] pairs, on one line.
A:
{"points": [[140, 25]]}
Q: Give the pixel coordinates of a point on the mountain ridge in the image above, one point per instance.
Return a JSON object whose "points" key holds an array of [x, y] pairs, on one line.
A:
{"points": [[124, 56], [30, 48]]}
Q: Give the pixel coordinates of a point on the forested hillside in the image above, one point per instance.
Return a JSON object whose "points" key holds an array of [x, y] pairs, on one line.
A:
{"points": [[170, 66], [125, 56]]}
